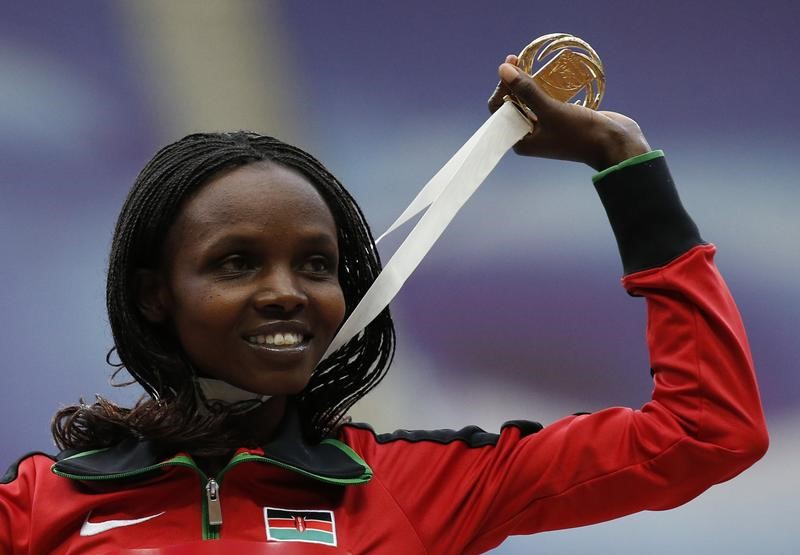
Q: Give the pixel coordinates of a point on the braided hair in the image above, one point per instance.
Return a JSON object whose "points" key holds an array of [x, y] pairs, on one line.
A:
{"points": [[155, 360]]}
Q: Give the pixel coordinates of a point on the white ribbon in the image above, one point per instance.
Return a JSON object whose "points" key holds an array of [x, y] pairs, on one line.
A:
{"points": [[444, 194]]}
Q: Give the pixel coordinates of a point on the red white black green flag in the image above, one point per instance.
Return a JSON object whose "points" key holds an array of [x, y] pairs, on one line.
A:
{"points": [[291, 525]]}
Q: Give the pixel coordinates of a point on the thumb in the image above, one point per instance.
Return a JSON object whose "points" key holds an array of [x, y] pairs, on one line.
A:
{"points": [[524, 88]]}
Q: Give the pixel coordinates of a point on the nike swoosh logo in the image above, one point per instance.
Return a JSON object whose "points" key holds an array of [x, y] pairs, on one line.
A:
{"points": [[93, 528]]}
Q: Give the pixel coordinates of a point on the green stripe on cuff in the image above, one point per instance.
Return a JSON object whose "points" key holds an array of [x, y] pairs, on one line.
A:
{"points": [[629, 162]]}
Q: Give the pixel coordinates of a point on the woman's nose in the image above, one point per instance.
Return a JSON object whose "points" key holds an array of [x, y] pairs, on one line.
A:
{"points": [[279, 291]]}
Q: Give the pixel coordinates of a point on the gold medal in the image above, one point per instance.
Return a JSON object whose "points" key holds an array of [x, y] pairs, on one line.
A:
{"points": [[568, 67]]}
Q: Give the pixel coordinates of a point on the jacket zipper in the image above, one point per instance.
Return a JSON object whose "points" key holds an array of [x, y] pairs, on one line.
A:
{"points": [[214, 508]]}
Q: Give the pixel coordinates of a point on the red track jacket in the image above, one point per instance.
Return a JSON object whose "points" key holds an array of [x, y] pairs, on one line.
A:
{"points": [[443, 491]]}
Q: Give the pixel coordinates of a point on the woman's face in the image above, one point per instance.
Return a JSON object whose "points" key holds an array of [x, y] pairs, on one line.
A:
{"points": [[250, 284]]}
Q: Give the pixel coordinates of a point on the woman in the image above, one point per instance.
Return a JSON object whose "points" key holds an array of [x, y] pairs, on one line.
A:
{"points": [[235, 259]]}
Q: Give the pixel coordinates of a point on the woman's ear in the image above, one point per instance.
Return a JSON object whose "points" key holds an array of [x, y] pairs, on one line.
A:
{"points": [[151, 295]]}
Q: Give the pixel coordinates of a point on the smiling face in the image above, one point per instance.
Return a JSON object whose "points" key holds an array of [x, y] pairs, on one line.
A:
{"points": [[250, 284]]}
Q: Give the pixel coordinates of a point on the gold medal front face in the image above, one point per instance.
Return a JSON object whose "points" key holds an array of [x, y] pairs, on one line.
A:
{"points": [[567, 68]]}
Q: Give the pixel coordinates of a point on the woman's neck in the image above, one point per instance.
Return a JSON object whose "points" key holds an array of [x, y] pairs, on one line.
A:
{"points": [[263, 422], [258, 425]]}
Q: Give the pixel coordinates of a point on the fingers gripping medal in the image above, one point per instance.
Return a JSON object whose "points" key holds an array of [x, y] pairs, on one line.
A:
{"points": [[570, 68]]}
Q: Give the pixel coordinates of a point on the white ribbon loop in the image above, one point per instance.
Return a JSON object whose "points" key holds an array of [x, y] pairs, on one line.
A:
{"points": [[445, 194], [433, 188]]}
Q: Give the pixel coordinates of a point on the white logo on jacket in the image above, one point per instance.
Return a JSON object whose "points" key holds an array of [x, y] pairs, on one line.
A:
{"points": [[93, 528]]}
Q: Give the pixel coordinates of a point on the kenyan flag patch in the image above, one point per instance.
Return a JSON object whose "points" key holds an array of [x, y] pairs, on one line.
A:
{"points": [[290, 525]]}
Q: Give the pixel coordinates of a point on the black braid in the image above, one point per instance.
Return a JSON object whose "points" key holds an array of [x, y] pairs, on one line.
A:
{"points": [[156, 361]]}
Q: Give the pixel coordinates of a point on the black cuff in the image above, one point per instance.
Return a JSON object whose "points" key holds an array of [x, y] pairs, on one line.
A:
{"points": [[649, 222]]}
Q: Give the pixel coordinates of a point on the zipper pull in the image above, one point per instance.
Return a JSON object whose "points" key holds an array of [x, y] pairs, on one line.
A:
{"points": [[214, 508]]}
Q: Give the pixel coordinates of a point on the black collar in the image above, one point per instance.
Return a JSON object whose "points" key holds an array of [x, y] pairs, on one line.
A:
{"points": [[329, 461]]}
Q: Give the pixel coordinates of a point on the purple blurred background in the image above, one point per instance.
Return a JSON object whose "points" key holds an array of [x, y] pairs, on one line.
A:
{"points": [[517, 312]]}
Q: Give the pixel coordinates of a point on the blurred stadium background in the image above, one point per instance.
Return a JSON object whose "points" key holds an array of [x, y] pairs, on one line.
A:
{"points": [[517, 312]]}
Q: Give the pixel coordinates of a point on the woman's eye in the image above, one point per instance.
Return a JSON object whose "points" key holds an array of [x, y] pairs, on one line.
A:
{"points": [[235, 263], [317, 265]]}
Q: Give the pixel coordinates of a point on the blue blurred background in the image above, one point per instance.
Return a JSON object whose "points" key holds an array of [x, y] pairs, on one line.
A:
{"points": [[517, 312]]}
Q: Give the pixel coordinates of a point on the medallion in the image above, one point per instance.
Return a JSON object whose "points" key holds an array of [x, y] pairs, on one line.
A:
{"points": [[567, 68]]}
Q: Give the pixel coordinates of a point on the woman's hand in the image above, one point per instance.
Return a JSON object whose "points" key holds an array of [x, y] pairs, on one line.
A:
{"points": [[567, 131]]}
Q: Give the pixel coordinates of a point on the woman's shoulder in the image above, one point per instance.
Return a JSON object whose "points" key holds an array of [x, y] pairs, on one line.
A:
{"points": [[363, 434], [27, 464]]}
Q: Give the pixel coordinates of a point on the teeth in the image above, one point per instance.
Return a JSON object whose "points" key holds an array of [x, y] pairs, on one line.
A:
{"points": [[277, 339]]}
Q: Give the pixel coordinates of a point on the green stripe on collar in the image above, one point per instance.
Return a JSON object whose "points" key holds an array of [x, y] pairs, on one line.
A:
{"points": [[329, 461]]}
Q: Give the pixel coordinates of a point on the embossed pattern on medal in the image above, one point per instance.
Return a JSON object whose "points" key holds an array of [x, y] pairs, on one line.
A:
{"points": [[568, 68]]}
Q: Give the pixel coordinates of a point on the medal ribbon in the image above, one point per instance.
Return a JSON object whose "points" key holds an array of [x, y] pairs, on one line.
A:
{"points": [[443, 196]]}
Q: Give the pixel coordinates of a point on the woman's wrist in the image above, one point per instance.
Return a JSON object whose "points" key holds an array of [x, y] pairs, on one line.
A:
{"points": [[620, 146]]}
